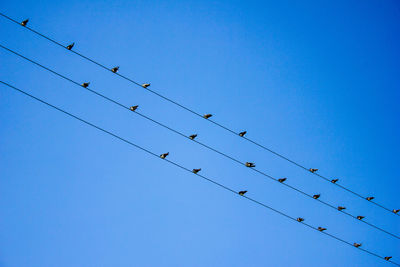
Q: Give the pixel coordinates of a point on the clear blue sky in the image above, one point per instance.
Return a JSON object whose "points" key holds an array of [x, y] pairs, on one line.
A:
{"points": [[317, 81]]}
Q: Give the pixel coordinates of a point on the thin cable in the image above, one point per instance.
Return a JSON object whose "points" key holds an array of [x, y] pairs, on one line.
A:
{"points": [[188, 170], [202, 144], [198, 114]]}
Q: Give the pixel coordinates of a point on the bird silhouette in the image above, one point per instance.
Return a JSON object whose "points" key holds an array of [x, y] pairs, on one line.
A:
{"points": [[242, 192], [69, 47], [85, 84], [24, 22], [360, 217], [396, 211], [145, 85], [300, 219], [115, 69], [341, 208], [133, 108], [370, 198], [388, 258], [334, 180], [196, 170], [281, 180], [207, 116], [193, 136], [163, 156], [357, 245], [250, 164], [242, 133], [321, 229], [316, 196], [313, 170]]}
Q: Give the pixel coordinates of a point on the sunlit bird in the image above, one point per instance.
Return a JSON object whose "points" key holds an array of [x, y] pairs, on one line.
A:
{"points": [[300, 219], [396, 211], [207, 116], [250, 164], [24, 22], [115, 69], [360, 217], [341, 208], [145, 85], [388, 258], [193, 136], [281, 180], [357, 245], [242, 192], [133, 108], [163, 156], [242, 133], [196, 170], [313, 170], [334, 180], [85, 84], [321, 229], [316, 196], [69, 47], [370, 198]]}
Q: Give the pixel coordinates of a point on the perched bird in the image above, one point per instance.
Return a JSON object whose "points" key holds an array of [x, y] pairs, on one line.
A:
{"points": [[24, 22], [281, 180], [300, 219], [341, 208], [145, 85], [163, 156], [388, 258], [370, 198], [316, 196], [196, 170], [193, 136], [69, 47], [242, 193], [242, 133], [115, 69], [396, 211], [321, 229], [360, 217], [133, 108], [357, 245], [207, 116], [85, 85], [250, 164], [334, 180], [313, 170]]}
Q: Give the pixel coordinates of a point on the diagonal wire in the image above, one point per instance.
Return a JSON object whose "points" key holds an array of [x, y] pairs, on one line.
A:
{"points": [[188, 170], [200, 143]]}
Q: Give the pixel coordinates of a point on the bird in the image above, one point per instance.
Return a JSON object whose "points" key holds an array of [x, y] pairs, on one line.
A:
{"points": [[357, 245], [360, 217], [313, 170], [316, 196], [69, 47], [299, 219], [334, 180], [163, 156], [133, 108], [196, 170], [388, 258], [85, 84], [145, 85], [396, 211], [242, 133], [207, 116], [250, 164], [193, 136], [281, 180], [242, 192], [24, 22], [370, 198], [115, 69], [341, 208], [321, 229]]}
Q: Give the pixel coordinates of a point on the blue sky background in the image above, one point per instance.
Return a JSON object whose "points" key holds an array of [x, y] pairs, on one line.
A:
{"points": [[317, 81]]}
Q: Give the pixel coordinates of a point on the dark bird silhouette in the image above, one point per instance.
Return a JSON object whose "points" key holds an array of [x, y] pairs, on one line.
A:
{"points": [[145, 85], [69, 47], [357, 245], [85, 84], [313, 170], [115, 69], [370, 198], [281, 180], [242, 133], [396, 211], [133, 108], [207, 116], [242, 193], [300, 219], [250, 164], [316, 196], [321, 229], [193, 136], [24, 22], [388, 258], [196, 170], [334, 180], [163, 156], [341, 208], [360, 217]]}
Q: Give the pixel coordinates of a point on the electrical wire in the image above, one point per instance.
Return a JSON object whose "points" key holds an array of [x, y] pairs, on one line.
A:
{"points": [[188, 170], [200, 143]]}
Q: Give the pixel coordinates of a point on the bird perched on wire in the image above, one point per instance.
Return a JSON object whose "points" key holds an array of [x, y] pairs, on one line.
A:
{"points": [[313, 170], [321, 229], [341, 208], [196, 170], [281, 180], [69, 47], [145, 85], [207, 116], [24, 22], [388, 258], [360, 217], [299, 219], [85, 85], [163, 156], [370, 198], [334, 180], [241, 134], [242, 192], [396, 211], [250, 164], [357, 245], [193, 136], [316, 196], [115, 69], [133, 108]]}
